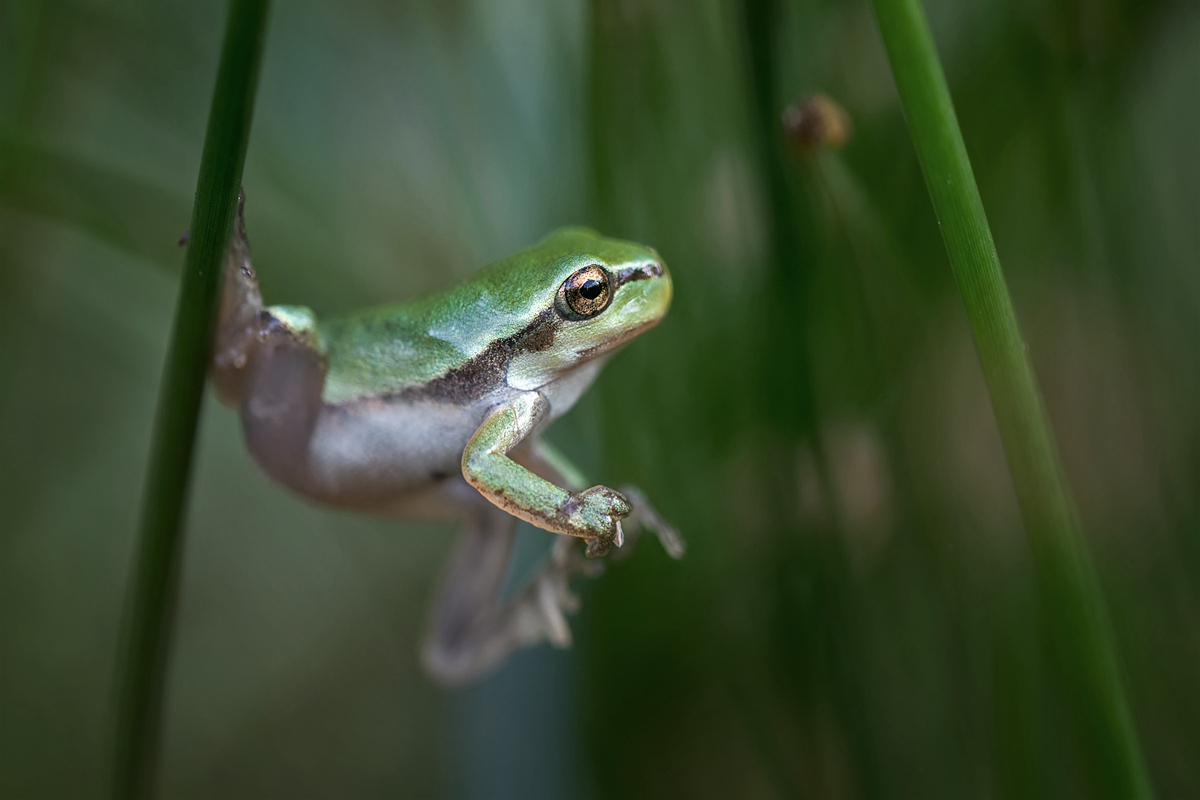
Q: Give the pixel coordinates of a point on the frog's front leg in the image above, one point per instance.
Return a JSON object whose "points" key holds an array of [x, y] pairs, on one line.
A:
{"points": [[471, 629], [547, 461], [593, 514]]}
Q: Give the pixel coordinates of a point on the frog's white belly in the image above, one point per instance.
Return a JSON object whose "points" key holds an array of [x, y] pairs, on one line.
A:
{"points": [[370, 452]]}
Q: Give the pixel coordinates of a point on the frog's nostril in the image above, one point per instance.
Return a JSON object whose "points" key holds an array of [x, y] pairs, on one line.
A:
{"points": [[654, 270]]}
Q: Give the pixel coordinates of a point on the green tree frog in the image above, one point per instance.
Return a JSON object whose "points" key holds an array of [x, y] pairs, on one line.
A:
{"points": [[433, 409]]}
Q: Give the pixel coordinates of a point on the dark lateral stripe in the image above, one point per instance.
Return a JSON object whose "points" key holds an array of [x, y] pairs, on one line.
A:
{"points": [[486, 371], [630, 274]]}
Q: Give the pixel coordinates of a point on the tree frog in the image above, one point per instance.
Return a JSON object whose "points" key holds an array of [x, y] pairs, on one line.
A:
{"points": [[434, 408]]}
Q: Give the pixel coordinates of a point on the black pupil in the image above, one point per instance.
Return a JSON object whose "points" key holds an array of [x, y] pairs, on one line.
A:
{"points": [[591, 289]]}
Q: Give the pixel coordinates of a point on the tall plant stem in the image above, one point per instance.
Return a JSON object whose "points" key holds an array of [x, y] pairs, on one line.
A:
{"points": [[794, 248], [1071, 596], [150, 605]]}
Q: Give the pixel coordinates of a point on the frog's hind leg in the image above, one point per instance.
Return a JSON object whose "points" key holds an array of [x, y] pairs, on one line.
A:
{"points": [[472, 629], [270, 363], [239, 321]]}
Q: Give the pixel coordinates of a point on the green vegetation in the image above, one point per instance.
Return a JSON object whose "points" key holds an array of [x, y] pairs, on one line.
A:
{"points": [[154, 590], [1071, 598]]}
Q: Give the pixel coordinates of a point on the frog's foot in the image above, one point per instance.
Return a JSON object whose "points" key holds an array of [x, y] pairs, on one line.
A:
{"points": [[646, 517], [472, 628], [595, 514], [542, 607]]}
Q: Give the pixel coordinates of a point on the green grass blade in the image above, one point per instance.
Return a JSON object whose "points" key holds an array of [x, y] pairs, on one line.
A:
{"points": [[1071, 595], [146, 632]]}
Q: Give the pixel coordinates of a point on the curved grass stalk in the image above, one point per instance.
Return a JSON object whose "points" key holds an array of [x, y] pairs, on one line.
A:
{"points": [[1070, 592]]}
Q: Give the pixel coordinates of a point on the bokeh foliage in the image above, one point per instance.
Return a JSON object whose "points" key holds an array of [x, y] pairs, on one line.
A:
{"points": [[857, 613]]}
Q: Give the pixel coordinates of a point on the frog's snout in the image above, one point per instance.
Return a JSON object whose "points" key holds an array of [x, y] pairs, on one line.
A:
{"points": [[643, 290]]}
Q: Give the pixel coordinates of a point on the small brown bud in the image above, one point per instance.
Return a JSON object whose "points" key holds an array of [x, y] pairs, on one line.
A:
{"points": [[814, 122]]}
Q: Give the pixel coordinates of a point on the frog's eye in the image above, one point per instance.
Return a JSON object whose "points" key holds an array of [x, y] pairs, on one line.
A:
{"points": [[586, 293]]}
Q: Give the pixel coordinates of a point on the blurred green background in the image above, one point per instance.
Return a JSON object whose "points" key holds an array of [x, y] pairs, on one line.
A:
{"points": [[857, 615]]}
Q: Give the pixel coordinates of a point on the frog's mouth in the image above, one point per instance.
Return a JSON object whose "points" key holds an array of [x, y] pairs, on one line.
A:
{"points": [[588, 353]]}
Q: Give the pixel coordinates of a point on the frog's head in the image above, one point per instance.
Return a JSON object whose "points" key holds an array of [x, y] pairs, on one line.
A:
{"points": [[586, 295]]}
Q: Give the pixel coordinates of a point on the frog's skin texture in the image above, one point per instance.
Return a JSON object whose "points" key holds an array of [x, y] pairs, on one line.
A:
{"points": [[433, 409]]}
